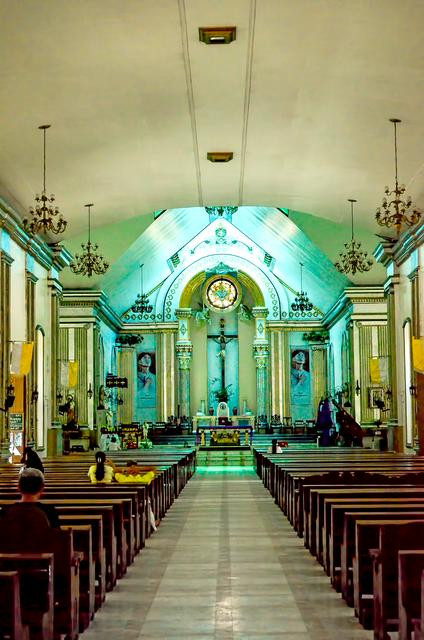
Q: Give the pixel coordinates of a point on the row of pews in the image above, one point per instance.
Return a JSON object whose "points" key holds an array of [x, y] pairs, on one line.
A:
{"points": [[52, 586], [361, 514]]}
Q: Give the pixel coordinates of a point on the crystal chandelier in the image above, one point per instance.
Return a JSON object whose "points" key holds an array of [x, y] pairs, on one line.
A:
{"points": [[45, 211], [142, 303], [301, 302], [396, 211], [353, 259], [89, 262]]}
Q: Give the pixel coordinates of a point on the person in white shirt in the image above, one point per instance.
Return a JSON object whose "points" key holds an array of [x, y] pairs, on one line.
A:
{"points": [[114, 444]]}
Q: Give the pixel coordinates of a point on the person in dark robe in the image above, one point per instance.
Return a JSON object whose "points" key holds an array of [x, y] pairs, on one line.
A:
{"points": [[325, 422], [31, 459]]}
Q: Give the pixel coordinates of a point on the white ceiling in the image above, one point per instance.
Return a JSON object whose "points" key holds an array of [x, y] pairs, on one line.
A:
{"points": [[302, 98]]}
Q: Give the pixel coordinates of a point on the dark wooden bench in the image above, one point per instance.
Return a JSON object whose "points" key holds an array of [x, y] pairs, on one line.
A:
{"points": [[11, 621], [392, 538]]}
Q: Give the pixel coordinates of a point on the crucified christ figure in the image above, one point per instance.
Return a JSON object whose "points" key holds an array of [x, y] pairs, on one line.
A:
{"points": [[222, 340]]}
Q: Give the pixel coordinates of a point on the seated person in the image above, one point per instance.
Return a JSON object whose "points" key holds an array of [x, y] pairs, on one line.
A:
{"points": [[104, 439], [133, 473], [31, 485], [100, 472], [114, 444], [31, 459]]}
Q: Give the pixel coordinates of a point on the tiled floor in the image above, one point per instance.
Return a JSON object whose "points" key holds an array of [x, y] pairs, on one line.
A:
{"points": [[225, 564]]}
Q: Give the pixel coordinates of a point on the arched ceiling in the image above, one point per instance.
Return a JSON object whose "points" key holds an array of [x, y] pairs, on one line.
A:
{"points": [[302, 98]]}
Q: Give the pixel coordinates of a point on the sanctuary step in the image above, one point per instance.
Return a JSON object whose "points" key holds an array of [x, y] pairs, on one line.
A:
{"points": [[224, 458], [262, 441], [174, 440]]}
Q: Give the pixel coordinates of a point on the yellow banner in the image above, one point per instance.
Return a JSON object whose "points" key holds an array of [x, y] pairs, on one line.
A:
{"points": [[375, 374], [21, 358], [418, 354]]}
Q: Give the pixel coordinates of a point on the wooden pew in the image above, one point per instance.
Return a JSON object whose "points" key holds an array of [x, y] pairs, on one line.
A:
{"points": [[410, 569], [11, 622], [82, 538], [392, 539], [333, 535], [367, 537]]}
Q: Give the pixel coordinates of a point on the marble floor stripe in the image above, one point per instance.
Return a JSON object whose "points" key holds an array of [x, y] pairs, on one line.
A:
{"points": [[226, 565]]}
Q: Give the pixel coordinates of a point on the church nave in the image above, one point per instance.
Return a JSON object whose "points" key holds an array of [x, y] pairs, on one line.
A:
{"points": [[225, 564]]}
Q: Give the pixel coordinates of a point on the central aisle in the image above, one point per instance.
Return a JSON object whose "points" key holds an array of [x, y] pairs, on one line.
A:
{"points": [[226, 564]]}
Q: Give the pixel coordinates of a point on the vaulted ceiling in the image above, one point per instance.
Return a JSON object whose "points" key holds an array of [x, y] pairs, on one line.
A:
{"points": [[302, 98]]}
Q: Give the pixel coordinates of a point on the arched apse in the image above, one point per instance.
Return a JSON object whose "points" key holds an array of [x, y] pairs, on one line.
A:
{"points": [[178, 292]]}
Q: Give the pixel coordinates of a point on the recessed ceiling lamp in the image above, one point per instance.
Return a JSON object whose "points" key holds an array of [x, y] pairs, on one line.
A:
{"points": [[353, 259], [301, 302], [217, 35], [89, 262], [220, 156], [44, 212], [396, 211]]}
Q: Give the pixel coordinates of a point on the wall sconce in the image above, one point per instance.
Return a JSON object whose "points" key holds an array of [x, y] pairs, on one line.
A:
{"points": [[389, 394], [413, 390], [10, 398], [34, 396], [357, 388], [59, 396], [89, 392], [120, 401]]}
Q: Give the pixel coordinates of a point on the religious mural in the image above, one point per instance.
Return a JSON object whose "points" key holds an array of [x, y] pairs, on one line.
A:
{"points": [[146, 381], [300, 384]]}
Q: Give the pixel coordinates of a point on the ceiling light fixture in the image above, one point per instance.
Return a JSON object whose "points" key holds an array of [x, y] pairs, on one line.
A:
{"points": [[219, 156], [353, 259], [89, 262], [142, 303], [217, 35], [44, 212], [301, 302], [397, 211]]}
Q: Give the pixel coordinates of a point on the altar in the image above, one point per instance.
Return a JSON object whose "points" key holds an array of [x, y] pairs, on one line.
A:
{"points": [[206, 422], [224, 436]]}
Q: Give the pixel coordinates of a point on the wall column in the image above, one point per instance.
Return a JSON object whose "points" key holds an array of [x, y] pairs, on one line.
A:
{"points": [[31, 379], [261, 355], [391, 289], [184, 349], [55, 293], [5, 263]]}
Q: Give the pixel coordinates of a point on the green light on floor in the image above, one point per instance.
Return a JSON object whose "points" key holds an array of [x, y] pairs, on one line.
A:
{"points": [[225, 469]]}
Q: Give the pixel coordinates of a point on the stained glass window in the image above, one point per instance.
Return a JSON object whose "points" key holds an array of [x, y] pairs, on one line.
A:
{"points": [[221, 294]]}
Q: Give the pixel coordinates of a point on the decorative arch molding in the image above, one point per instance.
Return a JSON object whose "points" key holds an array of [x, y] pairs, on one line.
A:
{"points": [[178, 294]]}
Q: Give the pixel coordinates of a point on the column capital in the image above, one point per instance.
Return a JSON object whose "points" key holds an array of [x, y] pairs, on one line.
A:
{"points": [[31, 277], [261, 355], [55, 286], [391, 283], [185, 312], [184, 353], [260, 312], [6, 258]]}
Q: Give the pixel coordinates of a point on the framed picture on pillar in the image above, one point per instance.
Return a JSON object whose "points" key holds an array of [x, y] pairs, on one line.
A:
{"points": [[146, 381], [376, 397]]}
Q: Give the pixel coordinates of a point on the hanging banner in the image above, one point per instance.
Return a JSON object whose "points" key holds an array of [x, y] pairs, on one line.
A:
{"points": [[379, 370], [21, 358], [69, 374], [418, 354]]}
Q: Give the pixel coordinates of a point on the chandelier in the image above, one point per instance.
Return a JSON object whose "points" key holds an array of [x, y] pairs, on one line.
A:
{"points": [[142, 303], [301, 302], [396, 210], [353, 259], [45, 211], [89, 262]]}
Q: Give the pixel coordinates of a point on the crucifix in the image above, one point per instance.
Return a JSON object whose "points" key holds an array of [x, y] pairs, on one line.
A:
{"points": [[222, 340]]}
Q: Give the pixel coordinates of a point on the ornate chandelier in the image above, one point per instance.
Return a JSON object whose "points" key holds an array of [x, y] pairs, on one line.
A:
{"points": [[397, 211], [301, 302], [353, 259], [89, 262], [142, 303], [45, 211]]}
